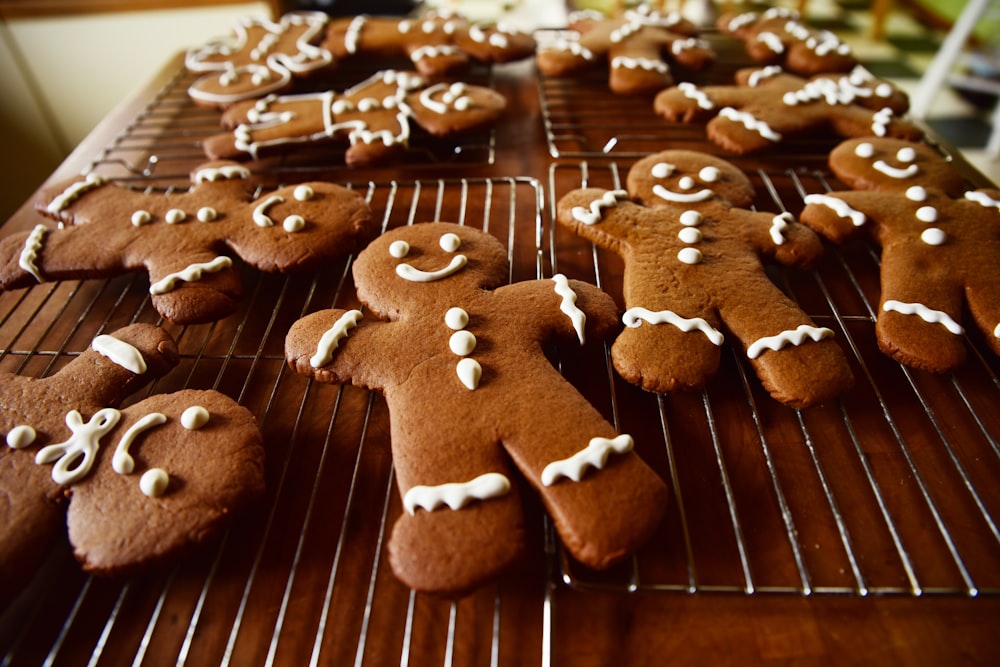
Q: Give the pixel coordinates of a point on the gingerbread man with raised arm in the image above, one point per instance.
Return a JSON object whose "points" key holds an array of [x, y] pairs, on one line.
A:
{"points": [[940, 246], [143, 483], [185, 239], [263, 58], [769, 106], [637, 48], [458, 354], [693, 256], [374, 118]]}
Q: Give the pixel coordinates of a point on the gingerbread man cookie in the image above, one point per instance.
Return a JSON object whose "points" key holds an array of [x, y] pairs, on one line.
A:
{"points": [[457, 353], [373, 118], [940, 246], [769, 105], [144, 483], [693, 255], [263, 58], [634, 47], [181, 238], [438, 43], [778, 36]]}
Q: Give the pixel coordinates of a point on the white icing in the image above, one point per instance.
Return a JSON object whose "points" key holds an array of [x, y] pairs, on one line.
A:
{"points": [[330, 340], [933, 236], [681, 197], [568, 305], [779, 225], [906, 154], [194, 417], [838, 206], [761, 75], [594, 455], [865, 149], [926, 314], [709, 174], [191, 273], [686, 183], [407, 272], [647, 64], [452, 97], [260, 217], [352, 36], [573, 47], [456, 495], [29, 254], [82, 444], [691, 218], [880, 122], [399, 249], [469, 373], [120, 352], [431, 51], [927, 214], [662, 170], [916, 193], [771, 41], [462, 343], [595, 212], [154, 482], [895, 172], [303, 193], [21, 436], [450, 242], [140, 218], [689, 235], [633, 317], [122, 461], [796, 337], [71, 193], [750, 123], [690, 256], [174, 216], [456, 318], [293, 223], [692, 92], [982, 199]]}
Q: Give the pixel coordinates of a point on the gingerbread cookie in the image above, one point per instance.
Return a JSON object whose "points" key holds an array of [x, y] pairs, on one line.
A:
{"points": [[770, 106], [778, 36], [693, 254], [263, 58], [144, 483], [181, 238], [373, 117], [940, 246], [458, 354], [635, 47], [437, 43]]}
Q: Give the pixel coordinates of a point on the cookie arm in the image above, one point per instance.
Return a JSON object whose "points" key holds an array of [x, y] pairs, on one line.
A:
{"points": [[566, 308], [839, 216], [257, 126], [194, 288], [780, 238], [605, 217]]}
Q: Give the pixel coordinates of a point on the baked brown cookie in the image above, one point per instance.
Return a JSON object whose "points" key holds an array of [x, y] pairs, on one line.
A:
{"points": [[769, 106], [940, 246], [437, 43], [144, 483], [374, 118], [457, 353], [182, 238], [636, 47], [693, 263], [263, 58], [778, 36]]}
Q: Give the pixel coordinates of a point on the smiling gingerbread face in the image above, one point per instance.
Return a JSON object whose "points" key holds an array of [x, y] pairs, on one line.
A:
{"points": [[893, 164], [687, 178]]}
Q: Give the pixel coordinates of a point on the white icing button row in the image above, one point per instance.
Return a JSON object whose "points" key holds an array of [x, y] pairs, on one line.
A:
{"points": [[689, 233], [174, 216], [462, 343]]}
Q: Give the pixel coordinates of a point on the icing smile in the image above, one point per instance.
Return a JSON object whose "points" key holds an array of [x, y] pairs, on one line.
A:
{"points": [[895, 172], [680, 197], [408, 272]]}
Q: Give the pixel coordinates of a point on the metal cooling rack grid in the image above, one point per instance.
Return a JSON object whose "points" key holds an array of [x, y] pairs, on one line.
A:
{"points": [[891, 490]]}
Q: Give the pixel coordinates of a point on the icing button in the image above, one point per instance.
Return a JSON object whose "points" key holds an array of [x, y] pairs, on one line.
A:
{"points": [[690, 256]]}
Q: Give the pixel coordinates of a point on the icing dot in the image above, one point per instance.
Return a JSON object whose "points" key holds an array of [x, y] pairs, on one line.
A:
{"points": [[20, 437], [450, 242], [207, 214], [294, 223], [865, 149], [691, 218], [456, 318], [140, 218], [927, 214], [916, 193], [906, 154], [469, 372], [933, 236], [194, 417], [662, 169], [154, 482], [689, 255], [709, 174], [174, 216], [686, 183], [303, 193], [689, 235], [399, 249], [462, 343]]}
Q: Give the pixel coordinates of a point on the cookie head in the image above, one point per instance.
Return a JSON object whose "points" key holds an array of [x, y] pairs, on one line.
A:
{"points": [[688, 178], [414, 265], [887, 164]]}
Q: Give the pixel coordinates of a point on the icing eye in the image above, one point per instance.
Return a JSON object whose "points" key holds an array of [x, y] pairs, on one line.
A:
{"points": [[686, 183], [865, 149], [303, 193], [399, 249], [174, 216], [450, 242], [709, 174], [906, 154], [207, 214], [662, 169], [293, 223], [141, 217]]}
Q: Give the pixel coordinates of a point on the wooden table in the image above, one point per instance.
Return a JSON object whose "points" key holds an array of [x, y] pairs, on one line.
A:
{"points": [[858, 532]]}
